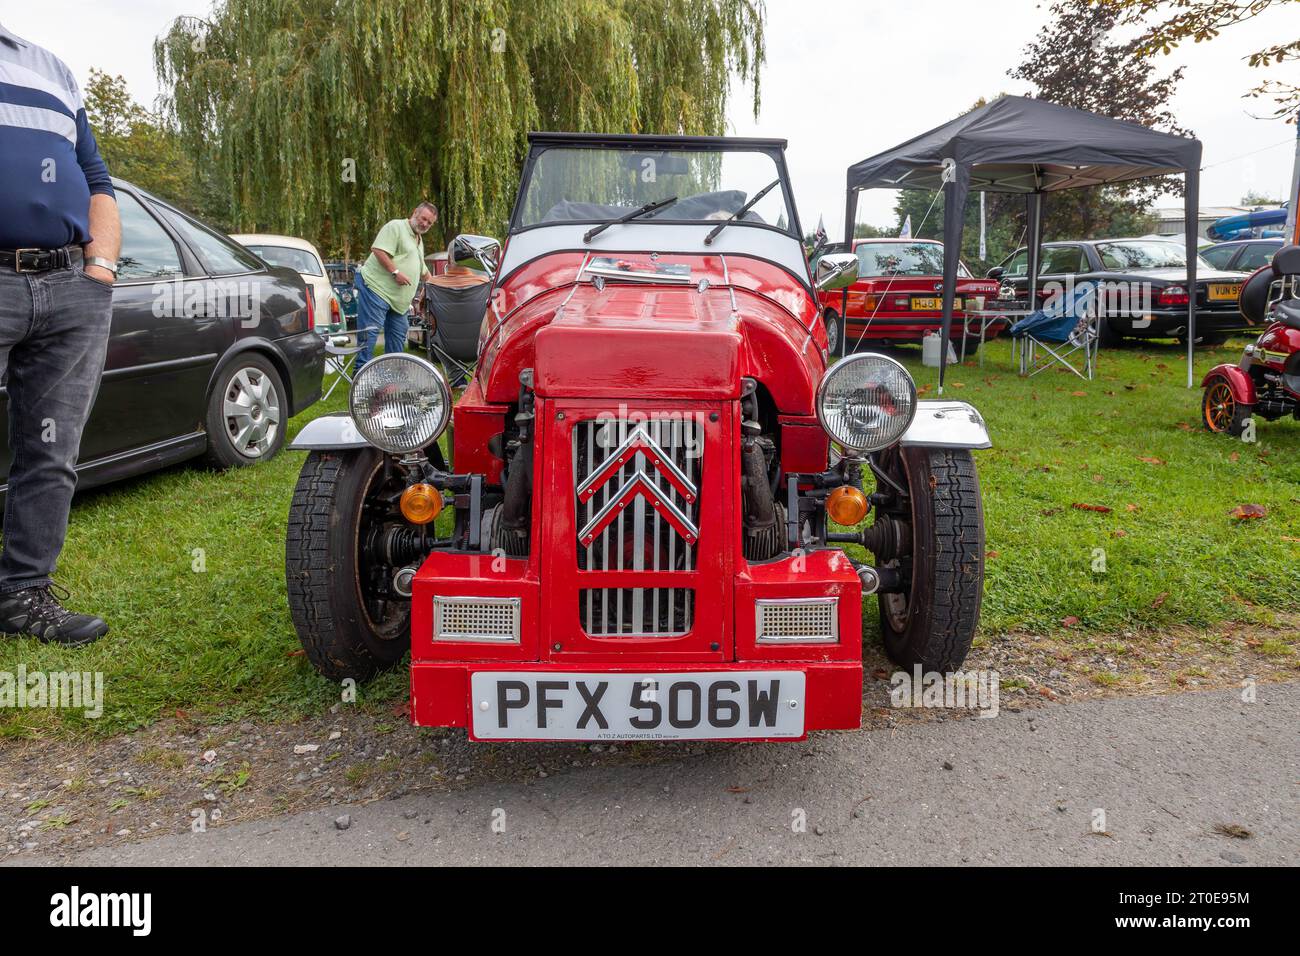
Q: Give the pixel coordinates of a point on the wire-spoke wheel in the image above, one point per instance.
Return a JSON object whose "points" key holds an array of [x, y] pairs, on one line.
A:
{"points": [[246, 413], [1220, 410]]}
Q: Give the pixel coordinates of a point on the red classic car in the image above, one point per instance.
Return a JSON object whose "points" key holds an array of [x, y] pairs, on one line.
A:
{"points": [[653, 475], [898, 296]]}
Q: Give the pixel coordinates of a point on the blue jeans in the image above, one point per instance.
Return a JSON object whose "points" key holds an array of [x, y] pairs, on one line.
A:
{"points": [[53, 338], [374, 314]]}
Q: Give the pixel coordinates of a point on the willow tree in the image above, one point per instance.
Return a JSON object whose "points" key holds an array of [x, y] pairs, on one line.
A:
{"points": [[325, 118]]}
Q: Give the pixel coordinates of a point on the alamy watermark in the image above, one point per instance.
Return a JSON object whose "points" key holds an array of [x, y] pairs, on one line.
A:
{"points": [[56, 690], [970, 690]]}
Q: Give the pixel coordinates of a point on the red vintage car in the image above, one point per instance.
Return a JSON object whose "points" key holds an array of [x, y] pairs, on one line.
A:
{"points": [[897, 297], [1267, 380], [653, 476]]}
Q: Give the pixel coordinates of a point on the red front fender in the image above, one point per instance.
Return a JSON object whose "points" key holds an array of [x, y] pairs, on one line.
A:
{"points": [[1242, 385]]}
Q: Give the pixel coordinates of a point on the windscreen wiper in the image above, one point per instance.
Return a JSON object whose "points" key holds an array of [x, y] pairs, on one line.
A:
{"points": [[634, 214], [708, 240]]}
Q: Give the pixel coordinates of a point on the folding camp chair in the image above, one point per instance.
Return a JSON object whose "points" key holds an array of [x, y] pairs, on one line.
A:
{"points": [[1066, 326], [456, 316], [340, 361]]}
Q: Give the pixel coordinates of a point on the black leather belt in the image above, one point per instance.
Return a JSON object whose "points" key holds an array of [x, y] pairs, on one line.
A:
{"points": [[39, 260]]}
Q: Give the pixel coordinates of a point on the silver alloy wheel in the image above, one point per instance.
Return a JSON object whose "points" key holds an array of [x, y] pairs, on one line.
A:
{"points": [[251, 408]]}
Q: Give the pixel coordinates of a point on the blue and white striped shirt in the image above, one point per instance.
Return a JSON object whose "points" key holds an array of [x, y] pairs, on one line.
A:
{"points": [[50, 163]]}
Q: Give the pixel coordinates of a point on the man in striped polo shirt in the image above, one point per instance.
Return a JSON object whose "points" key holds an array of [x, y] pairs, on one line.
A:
{"points": [[59, 239]]}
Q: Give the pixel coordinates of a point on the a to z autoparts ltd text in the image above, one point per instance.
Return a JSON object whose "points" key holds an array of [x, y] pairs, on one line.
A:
{"points": [[1190, 909]]}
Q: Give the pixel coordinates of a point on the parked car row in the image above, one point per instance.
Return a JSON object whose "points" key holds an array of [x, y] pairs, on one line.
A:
{"points": [[897, 297]]}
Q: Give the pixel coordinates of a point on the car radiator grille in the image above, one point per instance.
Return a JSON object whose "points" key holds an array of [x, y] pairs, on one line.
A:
{"points": [[637, 503]]}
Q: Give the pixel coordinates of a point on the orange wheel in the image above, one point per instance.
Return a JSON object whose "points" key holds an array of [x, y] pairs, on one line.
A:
{"points": [[1221, 411]]}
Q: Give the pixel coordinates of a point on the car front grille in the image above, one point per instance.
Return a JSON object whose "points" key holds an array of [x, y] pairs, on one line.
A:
{"points": [[637, 498]]}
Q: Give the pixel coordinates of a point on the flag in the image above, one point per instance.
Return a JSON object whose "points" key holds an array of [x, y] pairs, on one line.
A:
{"points": [[820, 234], [907, 228]]}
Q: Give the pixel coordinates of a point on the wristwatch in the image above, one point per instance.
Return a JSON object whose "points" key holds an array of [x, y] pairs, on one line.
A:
{"points": [[103, 263]]}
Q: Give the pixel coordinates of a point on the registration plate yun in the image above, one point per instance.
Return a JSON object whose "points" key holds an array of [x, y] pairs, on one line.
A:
{"points": [[537, 705], [1225, 292]]}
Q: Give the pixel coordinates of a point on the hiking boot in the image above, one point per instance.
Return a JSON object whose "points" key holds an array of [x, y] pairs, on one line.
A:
{"points": [[38, 612]]}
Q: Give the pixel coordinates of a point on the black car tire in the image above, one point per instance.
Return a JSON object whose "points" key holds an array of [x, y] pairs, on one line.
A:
{"points": [[249, 377], [933, 622], [1107, 336], [833, 330], [323, 569]]}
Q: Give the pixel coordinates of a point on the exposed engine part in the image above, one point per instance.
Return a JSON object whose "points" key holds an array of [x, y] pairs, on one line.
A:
{"points": [[756, 489], [395, 545], [762, 526], [516, 516], [403, 579], [887, 538], [497, 537], [1273, 408], [763, 544]]}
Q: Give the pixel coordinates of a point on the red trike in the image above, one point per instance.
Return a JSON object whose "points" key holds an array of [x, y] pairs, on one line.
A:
{"points": [[1267, 380]]}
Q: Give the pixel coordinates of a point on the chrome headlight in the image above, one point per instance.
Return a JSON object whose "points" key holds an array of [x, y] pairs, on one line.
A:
{"points": [[400, 403], [866, 401]]}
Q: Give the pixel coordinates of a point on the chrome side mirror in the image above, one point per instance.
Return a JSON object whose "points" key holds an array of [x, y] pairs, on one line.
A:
{"points": [[481, 253], [835, 270]]}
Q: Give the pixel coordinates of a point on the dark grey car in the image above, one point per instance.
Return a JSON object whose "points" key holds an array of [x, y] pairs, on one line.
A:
{"points": [[211, 351], [1154, 270], [1242, 255]]}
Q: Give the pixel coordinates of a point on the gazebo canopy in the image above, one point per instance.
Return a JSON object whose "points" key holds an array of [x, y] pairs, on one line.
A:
{"points": [[1021, 145]]}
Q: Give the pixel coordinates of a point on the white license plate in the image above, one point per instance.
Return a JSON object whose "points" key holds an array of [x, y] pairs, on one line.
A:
{"points": [[538, 705]]}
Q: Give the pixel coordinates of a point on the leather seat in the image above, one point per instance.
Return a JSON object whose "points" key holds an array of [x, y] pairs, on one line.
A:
{"points": [[1288, 313]]}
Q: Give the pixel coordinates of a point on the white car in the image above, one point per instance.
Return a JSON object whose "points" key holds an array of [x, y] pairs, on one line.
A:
{"points": [[303, 258]]}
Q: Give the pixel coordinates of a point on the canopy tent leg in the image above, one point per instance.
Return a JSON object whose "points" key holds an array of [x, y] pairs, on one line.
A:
{"points": [[1191, 214], [955, 188]]}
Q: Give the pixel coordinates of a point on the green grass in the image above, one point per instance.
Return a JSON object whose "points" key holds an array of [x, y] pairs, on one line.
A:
{"points": [[217, 643]]}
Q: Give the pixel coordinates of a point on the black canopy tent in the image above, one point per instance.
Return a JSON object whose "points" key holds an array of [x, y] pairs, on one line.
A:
{"points": [[1020, 145]]}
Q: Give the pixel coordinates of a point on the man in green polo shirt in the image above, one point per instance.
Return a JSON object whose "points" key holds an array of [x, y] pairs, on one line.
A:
{"points": [[387, 282]]}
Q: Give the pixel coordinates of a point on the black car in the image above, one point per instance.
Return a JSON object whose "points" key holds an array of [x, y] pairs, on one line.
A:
{"points": [[1242, 255], [211, 352], [1144, 286]]}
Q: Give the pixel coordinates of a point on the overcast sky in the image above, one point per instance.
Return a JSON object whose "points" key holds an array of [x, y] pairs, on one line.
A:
{"points": [[844, 80]]}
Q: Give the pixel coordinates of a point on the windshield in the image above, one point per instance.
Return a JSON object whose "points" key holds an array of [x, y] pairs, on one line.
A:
{"points": [[598, 184], [1153, 254], [299, 260], [902, 259]]}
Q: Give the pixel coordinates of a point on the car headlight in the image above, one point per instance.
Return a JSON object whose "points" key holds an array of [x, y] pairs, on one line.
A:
{"points": [[400, 403], [866, 401]]}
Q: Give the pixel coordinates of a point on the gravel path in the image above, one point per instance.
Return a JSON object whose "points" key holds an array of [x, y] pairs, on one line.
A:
{"points": [[1191, 778]]}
